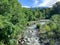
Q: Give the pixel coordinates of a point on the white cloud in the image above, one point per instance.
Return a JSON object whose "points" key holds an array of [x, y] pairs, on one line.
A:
{"points": [[35, 3], [45, 3], [58, 0], [26, 6], [48, 3]]}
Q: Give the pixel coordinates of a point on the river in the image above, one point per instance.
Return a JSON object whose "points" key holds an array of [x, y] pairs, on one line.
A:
{"points": [[31, 35]]}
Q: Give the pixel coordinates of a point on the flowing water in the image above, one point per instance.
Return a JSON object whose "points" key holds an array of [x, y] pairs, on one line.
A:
{"points": [[31, 36]]}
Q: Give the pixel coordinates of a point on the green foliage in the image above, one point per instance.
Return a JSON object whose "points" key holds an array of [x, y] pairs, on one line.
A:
{"points": [[11, 21], [56, 8], [14, 18], [7, 31], [47, 28], [56, 19], [52, 25], [52, 42], [38, 26], [1, 43], [12, 42]]}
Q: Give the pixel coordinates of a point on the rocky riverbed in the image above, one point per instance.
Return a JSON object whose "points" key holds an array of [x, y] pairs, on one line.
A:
{"points": [[32, 36]]}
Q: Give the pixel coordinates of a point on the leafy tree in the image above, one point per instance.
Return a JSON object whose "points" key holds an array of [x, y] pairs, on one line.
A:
{"points": [[56, 19], [56, 8], [12, 20]]}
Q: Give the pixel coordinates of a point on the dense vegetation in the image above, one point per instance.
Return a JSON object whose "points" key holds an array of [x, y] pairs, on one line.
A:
{"points": [[51, 29], [12, 21], [14, 18]]}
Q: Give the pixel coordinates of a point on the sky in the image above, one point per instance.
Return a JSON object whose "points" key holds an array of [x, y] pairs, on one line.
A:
{"points": [[37, 3]]}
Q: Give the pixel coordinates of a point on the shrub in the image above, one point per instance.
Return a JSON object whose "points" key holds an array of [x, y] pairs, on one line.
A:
{"points": [[38, 26]]}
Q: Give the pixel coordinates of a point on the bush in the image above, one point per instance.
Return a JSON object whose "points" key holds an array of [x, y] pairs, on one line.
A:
{"points": [[1, 43], [12, 42], [47, 28], [8, 32], [38, 26], [52, 42]]}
